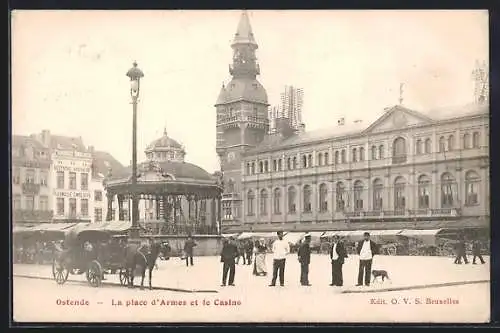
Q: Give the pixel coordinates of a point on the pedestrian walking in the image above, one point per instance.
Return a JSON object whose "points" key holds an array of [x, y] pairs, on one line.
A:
{"points": [[260, 258], [476, 252], [241, 252], [461, 252], [228, 256], [280, 250], [188, 250], [249, 251], [304, 255], [366, 249], [337, 255]]}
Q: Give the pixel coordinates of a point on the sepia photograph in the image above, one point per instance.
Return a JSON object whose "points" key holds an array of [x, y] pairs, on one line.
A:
{"points": [[250, 166]]}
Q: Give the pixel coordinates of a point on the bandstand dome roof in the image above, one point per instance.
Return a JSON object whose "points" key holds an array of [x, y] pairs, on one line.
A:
{"points": [[178, 170], [164, 142]]}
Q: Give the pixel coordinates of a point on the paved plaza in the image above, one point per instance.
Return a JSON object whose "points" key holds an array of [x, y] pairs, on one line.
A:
{"points": [[252, 300]]}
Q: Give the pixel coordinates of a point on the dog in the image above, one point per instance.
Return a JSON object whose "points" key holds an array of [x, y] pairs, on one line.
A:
{"points": [[380, 274]]}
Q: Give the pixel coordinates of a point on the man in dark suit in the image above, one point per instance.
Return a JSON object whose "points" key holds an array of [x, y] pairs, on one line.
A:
{"points": [[337, 256], [476, 252], [228, 256], [366, 249], [188, 250], [304, 255], [461, 252]]}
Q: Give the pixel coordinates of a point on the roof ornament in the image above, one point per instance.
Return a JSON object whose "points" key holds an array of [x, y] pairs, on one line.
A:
{"points": [[401, 85], [165, 131]]}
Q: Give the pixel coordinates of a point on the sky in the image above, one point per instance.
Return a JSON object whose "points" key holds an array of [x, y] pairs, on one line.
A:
{"points": [[68, 69]]}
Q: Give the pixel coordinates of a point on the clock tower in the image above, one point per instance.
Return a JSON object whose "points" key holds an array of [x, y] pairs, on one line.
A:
{"points": [[242, 118]]}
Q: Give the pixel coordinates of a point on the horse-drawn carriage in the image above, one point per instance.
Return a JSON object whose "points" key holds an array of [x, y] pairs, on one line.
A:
{"points": [[92, 249]]}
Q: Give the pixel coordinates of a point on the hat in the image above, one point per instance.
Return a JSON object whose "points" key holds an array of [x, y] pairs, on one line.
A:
{"points": [[366, 233], [280, 232], [308, 235]]}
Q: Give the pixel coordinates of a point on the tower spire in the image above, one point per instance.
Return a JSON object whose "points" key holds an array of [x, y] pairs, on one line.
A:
{"points": [[244, 33]]}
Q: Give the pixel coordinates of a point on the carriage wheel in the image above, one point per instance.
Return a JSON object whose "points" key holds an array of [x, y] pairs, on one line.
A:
{"points": [[123, 277], [94, 274], [59, 271]]}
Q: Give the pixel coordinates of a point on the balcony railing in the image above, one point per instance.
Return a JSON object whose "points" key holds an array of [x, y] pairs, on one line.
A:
{"points": [[31, 188], [409, 213], [24, 215]]}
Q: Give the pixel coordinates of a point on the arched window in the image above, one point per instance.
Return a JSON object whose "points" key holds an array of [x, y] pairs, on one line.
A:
{"points": [[309, 161], [327, 159], [442, 144], [275, 165], [472, 182], [292, 197], [263, 202], [343, 156], [320, 159], [374, 152], [418, 147], [289, 163], [277, 201], [448, 190], [307, 199], [358, 195], [248, 169], [378, 190], [261, 167], [399, 195], [337, 159], [253, 168], [280, 167], [428, 146], [340, 196], [451, 142], [475, 140], [304, 161], [466, 141], [250, 203], [354, 155], [323, 198], [266, 166], [294, 163], [399, 150], [381, 152], [424, 190], [361, 154]]}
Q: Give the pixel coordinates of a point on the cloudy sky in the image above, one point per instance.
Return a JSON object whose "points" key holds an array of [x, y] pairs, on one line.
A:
{"points": [[68, 68]]}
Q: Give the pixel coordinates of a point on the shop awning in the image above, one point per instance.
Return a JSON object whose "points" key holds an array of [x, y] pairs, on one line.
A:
{"points": [[417, 233], [294, 237], [229, 235], [53, 227], [246, 235]]}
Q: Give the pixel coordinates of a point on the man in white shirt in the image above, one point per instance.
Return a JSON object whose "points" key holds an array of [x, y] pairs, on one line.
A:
{"points": [[280, 250], [366, 250]]}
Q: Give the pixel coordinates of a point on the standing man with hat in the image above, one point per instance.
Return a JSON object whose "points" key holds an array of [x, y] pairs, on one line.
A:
{"points": [[280, 250], [228, 257], [337, 256], [366, 250], [304, 255]]}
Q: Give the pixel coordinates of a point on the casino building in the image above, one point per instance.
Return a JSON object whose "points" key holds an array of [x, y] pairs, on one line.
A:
{"points": [[411, 169]]}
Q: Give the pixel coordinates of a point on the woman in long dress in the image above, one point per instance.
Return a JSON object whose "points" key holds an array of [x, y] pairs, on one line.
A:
{"points": [[260, 258]]}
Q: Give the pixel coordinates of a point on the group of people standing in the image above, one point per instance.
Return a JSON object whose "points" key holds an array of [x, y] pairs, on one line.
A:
{"points": [[366, 249], [461, 252]]}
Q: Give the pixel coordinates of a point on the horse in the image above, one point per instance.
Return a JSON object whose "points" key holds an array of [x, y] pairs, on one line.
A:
{"points": [[141, 257]]}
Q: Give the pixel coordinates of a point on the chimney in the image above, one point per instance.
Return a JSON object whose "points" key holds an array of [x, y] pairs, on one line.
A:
{"points": [[46, 138]]}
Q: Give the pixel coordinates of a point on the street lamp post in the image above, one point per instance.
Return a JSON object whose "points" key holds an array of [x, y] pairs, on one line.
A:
{"points": [[135, 75]]}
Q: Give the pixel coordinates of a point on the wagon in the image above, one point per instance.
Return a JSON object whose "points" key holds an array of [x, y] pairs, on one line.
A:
{"points": [[92, 249]]}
